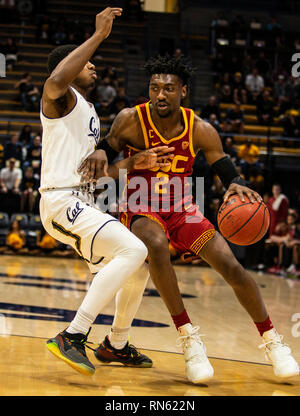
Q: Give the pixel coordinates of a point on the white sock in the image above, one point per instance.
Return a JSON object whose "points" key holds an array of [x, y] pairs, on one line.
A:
{"points": [[81, 322], [118, 337]]}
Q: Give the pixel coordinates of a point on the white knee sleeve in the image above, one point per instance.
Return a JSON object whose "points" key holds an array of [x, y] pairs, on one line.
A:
{"points": [[129, 297], [127, 254]]}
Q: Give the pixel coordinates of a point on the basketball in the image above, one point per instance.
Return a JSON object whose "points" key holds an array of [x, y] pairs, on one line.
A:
{"points": [[243, 223]]}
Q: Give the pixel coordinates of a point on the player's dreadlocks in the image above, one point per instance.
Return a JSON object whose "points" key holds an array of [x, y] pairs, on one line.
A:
{"points": [[166, 64], [58, 54]]}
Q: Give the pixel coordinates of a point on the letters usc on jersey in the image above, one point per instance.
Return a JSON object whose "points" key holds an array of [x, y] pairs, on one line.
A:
{"points": [[166, 184]]}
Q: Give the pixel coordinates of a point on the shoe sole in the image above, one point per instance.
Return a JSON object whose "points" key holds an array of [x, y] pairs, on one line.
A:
{"points": [[81, 368], [144, 365], [288, 375], [202, 380]]}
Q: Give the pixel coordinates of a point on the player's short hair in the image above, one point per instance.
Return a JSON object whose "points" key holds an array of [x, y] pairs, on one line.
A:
{"points": [[167, 64], [58, 54]]}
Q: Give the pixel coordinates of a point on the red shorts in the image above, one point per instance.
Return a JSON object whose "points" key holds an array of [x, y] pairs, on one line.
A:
{"points": [[187, 230]]}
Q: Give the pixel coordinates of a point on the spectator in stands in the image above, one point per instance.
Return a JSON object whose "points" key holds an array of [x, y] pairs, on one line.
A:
{"points": [[34, 156], [212, 107], [248, 154], [274, 247], [225, 94], [282, 87], [10, 180], [13, 149], [254, 84], [26, 135], [280, 70], [278, 205], [106, 95], [256, 178], [45, 242], [290, 243], [283, 105], [229, 149], [265, 108], [112, 74], [15, 239], [239, 90], [60, 31], [291, 123], [10, 50], [177, 53], [213, 121], [29, 93], [121, 100], [291, 254], [106, 92], [234, 120], [44, 28], [29, 191], [263, 65]]}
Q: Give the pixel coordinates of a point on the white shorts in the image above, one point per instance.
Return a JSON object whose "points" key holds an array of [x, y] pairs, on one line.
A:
{"points": [[72, 217]]}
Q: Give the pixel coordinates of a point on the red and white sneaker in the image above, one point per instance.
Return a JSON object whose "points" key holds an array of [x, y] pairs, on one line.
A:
{"points": [[280, 355]]}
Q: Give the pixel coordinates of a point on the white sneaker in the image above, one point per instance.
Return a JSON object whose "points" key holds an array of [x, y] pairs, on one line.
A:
{"points": [[198, 369], [280, 355]]}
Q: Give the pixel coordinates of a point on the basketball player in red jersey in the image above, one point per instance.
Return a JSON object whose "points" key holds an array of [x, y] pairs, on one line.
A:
{"points": [[162, 121]]}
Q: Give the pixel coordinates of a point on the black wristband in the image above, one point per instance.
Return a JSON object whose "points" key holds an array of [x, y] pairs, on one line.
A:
{"points": [[227, 172], [110, 152]]}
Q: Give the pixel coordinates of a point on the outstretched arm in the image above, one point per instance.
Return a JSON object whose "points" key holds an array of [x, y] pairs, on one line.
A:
{"points": [[68, 69], [207, 139]]}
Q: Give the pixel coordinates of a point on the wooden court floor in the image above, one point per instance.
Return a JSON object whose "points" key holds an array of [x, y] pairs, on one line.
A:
{"points": [[40, 295]]}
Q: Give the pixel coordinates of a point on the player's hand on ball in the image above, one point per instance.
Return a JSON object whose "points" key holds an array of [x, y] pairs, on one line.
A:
{"points": [[104, 20], [235, 188], [156, 157]]}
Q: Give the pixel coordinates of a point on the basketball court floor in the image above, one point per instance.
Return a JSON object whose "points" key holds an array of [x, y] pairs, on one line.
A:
{"points": [[39, 297]]}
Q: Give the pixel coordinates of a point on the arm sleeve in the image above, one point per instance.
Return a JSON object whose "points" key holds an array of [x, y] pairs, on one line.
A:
{"points": [[227, 172], [110, 152]]}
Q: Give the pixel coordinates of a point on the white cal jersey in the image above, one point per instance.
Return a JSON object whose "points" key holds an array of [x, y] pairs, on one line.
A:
{"points": [[67, 141]]}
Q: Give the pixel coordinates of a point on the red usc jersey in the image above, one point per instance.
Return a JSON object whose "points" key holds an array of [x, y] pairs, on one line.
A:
{"points": [[166, 186]]}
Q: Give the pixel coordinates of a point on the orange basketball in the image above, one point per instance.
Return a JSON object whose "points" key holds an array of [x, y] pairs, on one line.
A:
{"points": [[243, 223]]}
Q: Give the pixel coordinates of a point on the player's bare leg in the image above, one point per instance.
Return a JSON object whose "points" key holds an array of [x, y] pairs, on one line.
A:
{"points": [[161, 270], [233, 272], [249, 296], [198, 368]]}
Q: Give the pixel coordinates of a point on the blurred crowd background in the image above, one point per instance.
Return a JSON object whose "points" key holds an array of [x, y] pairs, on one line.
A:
{"points": [[244, 86]]}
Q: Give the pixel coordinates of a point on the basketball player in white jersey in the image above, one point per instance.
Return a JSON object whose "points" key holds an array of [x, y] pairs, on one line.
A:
{"points": [[71, 130]]}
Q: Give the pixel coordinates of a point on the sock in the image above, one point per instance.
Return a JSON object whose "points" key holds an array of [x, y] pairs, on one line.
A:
{"points": [[118, 337], [264, 326], [181, 319], [81, 323]]}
